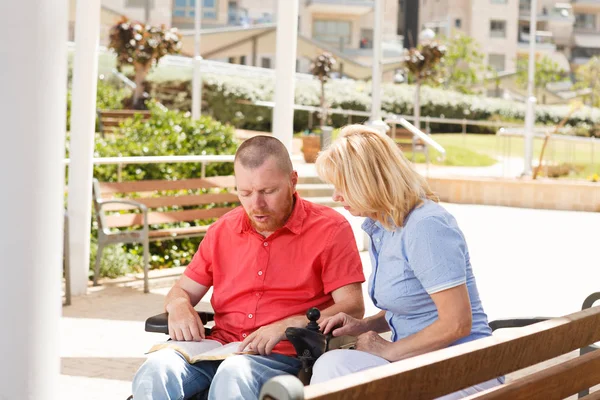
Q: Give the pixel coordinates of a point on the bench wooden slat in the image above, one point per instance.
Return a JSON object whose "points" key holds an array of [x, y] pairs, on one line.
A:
{"points": [[556, 382], [160, 185], [186, 200], [445, 371], [124, 220]]}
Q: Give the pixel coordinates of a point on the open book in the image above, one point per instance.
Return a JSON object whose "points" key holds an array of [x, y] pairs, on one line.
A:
{"points": [[205, 350]]}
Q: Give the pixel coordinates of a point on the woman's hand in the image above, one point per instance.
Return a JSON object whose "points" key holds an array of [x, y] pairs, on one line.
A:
{"points": [[371, 342], [343, 324]]}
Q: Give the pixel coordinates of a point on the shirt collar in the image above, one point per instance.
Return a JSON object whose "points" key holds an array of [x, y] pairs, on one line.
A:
{"points": [[293, 224]]}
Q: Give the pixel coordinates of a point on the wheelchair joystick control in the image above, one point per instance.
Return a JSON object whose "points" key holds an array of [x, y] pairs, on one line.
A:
{"points": [[313, 314]]}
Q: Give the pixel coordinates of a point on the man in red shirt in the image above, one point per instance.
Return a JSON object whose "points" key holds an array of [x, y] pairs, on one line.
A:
{"points": [[268, 262]]}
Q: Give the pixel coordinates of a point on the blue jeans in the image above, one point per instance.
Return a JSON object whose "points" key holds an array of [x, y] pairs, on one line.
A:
{"points": [[167, 375]]}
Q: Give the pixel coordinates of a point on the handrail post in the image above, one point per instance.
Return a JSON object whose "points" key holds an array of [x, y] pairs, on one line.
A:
{"points": [[203, 173]]}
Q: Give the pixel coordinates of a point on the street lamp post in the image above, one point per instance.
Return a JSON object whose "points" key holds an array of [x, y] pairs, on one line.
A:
{"points": [[375, 119], [531, 100], [197, 62]]}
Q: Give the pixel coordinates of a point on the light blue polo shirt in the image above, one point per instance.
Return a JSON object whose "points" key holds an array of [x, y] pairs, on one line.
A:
{"points": [[429, 254]]}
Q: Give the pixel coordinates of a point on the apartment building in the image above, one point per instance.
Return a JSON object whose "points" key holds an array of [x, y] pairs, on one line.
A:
{"points": [[567, 31], [493, 23]]}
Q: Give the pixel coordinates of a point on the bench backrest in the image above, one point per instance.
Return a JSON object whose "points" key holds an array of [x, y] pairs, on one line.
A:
{"points": [[167, 201], [445, 371]]}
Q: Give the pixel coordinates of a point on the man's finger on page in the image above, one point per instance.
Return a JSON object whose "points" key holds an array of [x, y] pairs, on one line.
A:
{"points": [[195, 331], [187, 335]]}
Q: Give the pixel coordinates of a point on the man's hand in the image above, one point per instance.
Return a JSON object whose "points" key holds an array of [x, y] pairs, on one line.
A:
{"points": [[371, 342], [264, 339], [346, 325], [184, 321]]}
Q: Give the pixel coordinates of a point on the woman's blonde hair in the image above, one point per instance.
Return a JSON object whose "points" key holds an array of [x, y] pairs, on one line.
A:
{"points": [[373, 175]]}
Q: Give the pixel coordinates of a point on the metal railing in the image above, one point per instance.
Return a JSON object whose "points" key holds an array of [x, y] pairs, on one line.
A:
{"points": [[122, 161], [506, 134]]}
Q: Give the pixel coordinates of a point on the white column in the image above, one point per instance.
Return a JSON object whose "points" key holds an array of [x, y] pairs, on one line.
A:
{"points": [[83, 118], [33, 78], [531, 100], [197, 62], [285, 71], [375, 120]]}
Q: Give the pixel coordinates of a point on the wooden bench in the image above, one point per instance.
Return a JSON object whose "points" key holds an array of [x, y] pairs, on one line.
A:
{"points": [[137, 212], [406, 140], [111, 119], [448, 370]]}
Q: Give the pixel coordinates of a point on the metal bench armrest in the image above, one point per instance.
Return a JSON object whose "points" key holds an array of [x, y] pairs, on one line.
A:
{"points": [[160, 323], [516, 322], [140, 206]]}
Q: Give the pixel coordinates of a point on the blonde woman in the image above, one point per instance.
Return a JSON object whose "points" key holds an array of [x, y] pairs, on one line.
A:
{"points": [[422, 278]]}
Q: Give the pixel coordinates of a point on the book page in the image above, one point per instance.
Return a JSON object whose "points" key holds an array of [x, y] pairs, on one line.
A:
{"points": [[205, 350]]}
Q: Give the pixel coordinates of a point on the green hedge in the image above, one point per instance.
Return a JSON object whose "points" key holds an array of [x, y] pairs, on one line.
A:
{"points": [[222, 92], [165, 133]]}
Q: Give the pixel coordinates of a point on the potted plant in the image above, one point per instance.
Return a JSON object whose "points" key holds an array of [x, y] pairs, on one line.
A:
{"points": [[321, 67]]}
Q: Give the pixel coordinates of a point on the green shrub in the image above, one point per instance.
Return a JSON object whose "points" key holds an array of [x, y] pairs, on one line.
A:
{"points": [[108, 97]]}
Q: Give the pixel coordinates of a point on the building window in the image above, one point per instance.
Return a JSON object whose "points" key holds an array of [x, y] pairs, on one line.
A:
{"points": [[525, 5], [457, 23], [242, 60], [497, 61], [585, 21], [497, 29], [138, 3], [265, 62], [333, 32], [186, 9], [498, 1], [366, 38]]}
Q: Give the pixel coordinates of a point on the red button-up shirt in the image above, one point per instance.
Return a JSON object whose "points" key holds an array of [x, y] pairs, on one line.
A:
{"points": [[258, 280]]}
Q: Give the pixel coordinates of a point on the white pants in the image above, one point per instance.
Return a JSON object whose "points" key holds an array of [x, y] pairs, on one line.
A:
{"points": [[337, 363]]}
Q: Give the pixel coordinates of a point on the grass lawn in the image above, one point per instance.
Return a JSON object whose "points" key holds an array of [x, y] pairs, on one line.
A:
{"points": [[583, 156]]}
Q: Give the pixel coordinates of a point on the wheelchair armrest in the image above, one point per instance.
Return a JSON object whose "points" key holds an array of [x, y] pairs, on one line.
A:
{"points": [[160, 323], [516, 322]]}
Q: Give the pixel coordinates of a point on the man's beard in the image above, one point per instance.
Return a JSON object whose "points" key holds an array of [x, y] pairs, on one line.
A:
{"points": [[275, 221]]}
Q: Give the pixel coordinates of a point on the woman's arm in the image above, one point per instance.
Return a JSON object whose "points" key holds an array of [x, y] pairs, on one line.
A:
{"points": [[454, 322]]}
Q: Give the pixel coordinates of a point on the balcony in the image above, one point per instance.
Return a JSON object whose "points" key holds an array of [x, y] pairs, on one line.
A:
{"points": [[346, 7], [544, 41]]}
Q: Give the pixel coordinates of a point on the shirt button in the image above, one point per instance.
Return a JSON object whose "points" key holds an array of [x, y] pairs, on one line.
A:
{"points": [[257, 294], [377, 240], [250, 315], [259, 273], [244, 335], [265, 244]]}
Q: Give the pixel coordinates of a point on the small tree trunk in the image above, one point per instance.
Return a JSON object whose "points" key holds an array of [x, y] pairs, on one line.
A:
{"points": [[323, 110], [141, 71], [417, 111]]}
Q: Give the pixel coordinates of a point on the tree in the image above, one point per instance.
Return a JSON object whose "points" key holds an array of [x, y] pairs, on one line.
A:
{"points": [[142, 46], [463, 65], [546, 71], [321, 67], [421, 63], [588, 76]]}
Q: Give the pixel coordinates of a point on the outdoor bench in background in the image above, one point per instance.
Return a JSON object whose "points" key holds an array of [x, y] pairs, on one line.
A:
{"points": [[152, 210]]}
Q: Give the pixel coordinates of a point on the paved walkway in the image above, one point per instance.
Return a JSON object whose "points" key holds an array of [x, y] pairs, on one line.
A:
{"points": [[527, 262]]}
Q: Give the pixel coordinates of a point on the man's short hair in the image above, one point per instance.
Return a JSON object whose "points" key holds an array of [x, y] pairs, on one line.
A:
{"points": [[254, 151]]}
